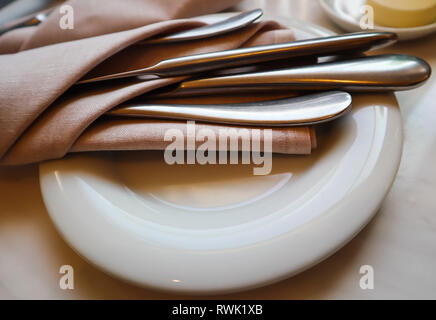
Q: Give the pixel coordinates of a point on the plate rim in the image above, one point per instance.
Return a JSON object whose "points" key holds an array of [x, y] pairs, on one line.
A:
{"points": [[404, 33]]}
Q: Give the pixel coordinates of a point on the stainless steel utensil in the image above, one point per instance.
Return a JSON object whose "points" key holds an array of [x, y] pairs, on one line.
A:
{"points": [[392, 72], [30, 20], [221, 27], [188, 65], [302, 110]]}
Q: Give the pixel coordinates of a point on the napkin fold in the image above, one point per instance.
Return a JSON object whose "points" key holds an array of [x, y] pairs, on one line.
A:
{"points": [[43, 116]]}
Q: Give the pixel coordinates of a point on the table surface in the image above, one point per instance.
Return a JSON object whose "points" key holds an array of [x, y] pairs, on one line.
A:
{"points": [[400, 242]]}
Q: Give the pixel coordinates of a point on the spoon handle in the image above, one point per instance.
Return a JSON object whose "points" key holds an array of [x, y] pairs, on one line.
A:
{"points": [[27, 21], [367, 74], [302, 110]]}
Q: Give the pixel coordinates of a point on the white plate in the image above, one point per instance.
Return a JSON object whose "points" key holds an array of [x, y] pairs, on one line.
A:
{"points": [[346, 14], [210, 229]]}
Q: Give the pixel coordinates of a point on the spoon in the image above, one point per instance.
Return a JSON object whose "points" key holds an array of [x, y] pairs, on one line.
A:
{"points": [[302, 110], [233, 23], [188, 65], [224, 26], [27, 21], [393, 72]]}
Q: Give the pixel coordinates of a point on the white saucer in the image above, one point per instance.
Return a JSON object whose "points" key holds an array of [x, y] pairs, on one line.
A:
{"points": [[346, 14], [215, 229]]}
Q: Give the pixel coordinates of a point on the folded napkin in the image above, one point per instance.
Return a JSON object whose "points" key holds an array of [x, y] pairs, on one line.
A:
{"points": [[43, 116]]}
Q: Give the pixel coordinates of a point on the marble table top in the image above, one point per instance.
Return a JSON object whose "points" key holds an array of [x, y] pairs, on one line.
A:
{"points": [[399, 243]]}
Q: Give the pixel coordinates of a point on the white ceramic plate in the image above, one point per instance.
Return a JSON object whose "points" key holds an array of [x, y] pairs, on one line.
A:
{"points": [[346, 14], [213, 229]]}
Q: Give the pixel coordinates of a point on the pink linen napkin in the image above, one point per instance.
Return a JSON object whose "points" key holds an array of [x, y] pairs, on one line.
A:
{"points": [[42, 116]]}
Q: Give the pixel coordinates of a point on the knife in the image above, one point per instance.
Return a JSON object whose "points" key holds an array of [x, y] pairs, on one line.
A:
{"points": [[188, 65]]}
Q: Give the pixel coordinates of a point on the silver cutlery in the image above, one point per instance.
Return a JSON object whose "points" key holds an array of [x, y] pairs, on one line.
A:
{"points": [[27, 21], [214, 29], [188, 65], [301, 110], [393, 72]]}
